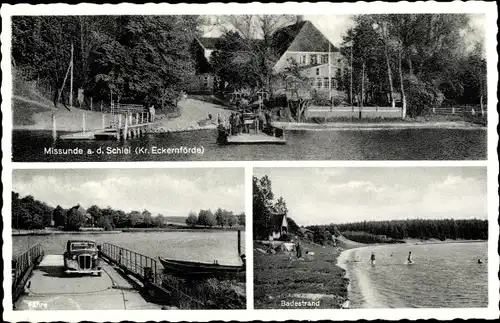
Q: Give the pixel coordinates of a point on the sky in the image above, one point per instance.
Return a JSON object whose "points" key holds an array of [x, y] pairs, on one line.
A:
{"points": [[340, 195], [335, 26], [170, 192]]}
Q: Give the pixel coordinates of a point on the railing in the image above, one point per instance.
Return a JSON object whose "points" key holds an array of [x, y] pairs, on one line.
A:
{"points": [[141, 266], [468, 109], [22, 264], [127, 108]]}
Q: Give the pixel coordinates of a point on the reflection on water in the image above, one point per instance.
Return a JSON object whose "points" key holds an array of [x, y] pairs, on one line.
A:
{"points": [[195, 246], [442, 275], [408, 144]]}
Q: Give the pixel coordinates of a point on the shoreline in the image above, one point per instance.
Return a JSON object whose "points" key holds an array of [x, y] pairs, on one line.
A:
{"points": [[339, 126], [129, 230], [345, 254]]}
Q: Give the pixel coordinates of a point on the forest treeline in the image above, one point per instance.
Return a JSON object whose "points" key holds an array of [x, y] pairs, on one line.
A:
{"points": [[30, 213], [441, 229], [140, 59]]}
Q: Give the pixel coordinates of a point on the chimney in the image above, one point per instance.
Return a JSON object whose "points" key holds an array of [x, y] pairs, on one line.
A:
{"points": [[299, 18]]}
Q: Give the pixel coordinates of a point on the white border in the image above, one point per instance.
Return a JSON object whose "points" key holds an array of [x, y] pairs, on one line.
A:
{"points": [[489, 9]]}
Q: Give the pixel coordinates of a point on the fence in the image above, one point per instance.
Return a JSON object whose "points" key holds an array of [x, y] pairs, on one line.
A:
{"points": [[21, 266], [468, 109], [140, 266]]}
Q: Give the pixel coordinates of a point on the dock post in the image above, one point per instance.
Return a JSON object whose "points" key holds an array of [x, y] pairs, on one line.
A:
{"points": [[83, 122], [103, 123], [54, 131], [125, 130], [239, 242], [137, 130], [119, 126]]}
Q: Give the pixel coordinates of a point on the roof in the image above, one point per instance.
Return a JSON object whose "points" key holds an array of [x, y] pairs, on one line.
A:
{"points": [[301, 37], [81, 240], [277, 220], [208, 42]]}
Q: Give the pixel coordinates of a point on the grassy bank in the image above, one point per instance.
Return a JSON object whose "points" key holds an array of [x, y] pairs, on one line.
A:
{"points": [[209, 293], [278, 278]]}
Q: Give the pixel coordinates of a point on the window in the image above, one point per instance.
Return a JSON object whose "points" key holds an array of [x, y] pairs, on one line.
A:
{"points": [[335, 83], [326, 83], [324, 59], [339, 72], [312, 82], [318, 83], [314, 59], [303, 59], [317, 71]]}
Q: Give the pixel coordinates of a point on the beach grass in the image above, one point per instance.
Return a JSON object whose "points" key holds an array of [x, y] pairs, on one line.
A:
{"points": [[315, 279]]}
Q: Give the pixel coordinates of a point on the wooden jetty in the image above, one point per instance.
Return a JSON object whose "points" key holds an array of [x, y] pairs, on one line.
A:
{"points": [[121, 124], [130, 281]]}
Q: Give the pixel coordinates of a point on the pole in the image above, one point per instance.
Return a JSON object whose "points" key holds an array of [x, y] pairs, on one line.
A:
{"points": [[91, 103], [330, 75], [352, 106], [103, 127], [54, 131], [71, 79], [239, 242], [83, 122]]}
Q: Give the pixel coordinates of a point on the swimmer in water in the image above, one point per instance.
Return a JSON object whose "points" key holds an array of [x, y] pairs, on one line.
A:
{"points": [[479, 261], [409, 258], [372, 258]]}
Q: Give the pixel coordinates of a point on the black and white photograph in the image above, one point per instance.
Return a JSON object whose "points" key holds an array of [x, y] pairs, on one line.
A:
{"points": [[134, 239], [370, 237], [248, 87]]}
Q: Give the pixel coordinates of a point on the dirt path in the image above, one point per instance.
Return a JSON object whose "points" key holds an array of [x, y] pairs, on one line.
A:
{"points": [[191, 110]]}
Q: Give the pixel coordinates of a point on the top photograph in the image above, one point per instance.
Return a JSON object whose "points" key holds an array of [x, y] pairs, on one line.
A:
{"points": [[113, 88]]}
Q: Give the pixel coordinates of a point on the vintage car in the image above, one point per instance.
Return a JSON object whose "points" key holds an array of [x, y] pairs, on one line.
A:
{"points": [[82, 257]]}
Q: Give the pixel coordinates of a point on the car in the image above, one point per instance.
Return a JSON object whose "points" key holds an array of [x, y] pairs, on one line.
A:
{"points": [[82, 257]]}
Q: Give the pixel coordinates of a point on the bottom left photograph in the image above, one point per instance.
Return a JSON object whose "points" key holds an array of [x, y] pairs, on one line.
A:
{"points": [[128, 239]]}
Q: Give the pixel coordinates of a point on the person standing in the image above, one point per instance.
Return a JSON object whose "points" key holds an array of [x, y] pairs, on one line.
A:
{"points": [[152, 113], [372, 259], [298, 249], [409, 258]]}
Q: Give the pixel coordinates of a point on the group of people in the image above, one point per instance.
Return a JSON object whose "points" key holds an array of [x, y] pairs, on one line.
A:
{"points": [[408, 260], [236, 122]]}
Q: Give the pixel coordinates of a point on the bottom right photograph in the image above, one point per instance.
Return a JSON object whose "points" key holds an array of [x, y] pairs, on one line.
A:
{"points": [[370, 237]]}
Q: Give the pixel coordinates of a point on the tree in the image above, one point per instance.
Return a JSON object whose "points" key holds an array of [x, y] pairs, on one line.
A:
{"points": [[241, 219], [256, 53], [76, 218], [206, 218], [262, 202], [96, 215], [220, 217], [231, 219], [192, 219], [59, 216]]}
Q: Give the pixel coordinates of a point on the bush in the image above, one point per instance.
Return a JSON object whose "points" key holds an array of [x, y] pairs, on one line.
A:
{"points": [[421, 97]]}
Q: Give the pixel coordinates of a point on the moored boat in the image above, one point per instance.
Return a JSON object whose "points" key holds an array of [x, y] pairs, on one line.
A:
{"points": [[193, 268]]}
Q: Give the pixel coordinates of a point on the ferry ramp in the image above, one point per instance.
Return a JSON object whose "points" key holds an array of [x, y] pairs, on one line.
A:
{"points": [[50, 288]]}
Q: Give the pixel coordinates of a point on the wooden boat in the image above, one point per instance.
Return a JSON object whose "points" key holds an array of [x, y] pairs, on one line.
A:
{"points": [[192, 268]]}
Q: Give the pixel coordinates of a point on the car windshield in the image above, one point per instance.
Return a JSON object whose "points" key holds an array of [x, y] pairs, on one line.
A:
{"points": [[82, 245]]}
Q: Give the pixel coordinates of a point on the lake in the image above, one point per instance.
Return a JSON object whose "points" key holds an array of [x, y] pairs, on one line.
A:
{"points": [[406, 144], [442, 275], [197, 246]]}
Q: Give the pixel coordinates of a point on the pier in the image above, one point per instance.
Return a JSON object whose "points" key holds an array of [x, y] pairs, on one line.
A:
{"points": [[130, 281], [124, 122]]}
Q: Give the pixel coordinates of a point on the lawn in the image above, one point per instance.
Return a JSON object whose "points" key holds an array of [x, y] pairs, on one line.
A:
{"points": [[316, 278]]}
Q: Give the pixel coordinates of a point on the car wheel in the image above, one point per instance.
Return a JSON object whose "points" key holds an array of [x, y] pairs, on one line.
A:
{"points": [[99, 274]]}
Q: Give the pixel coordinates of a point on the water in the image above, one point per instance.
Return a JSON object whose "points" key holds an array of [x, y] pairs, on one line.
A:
{"points": [[442, 275], [408, 144], [195, 246]]}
